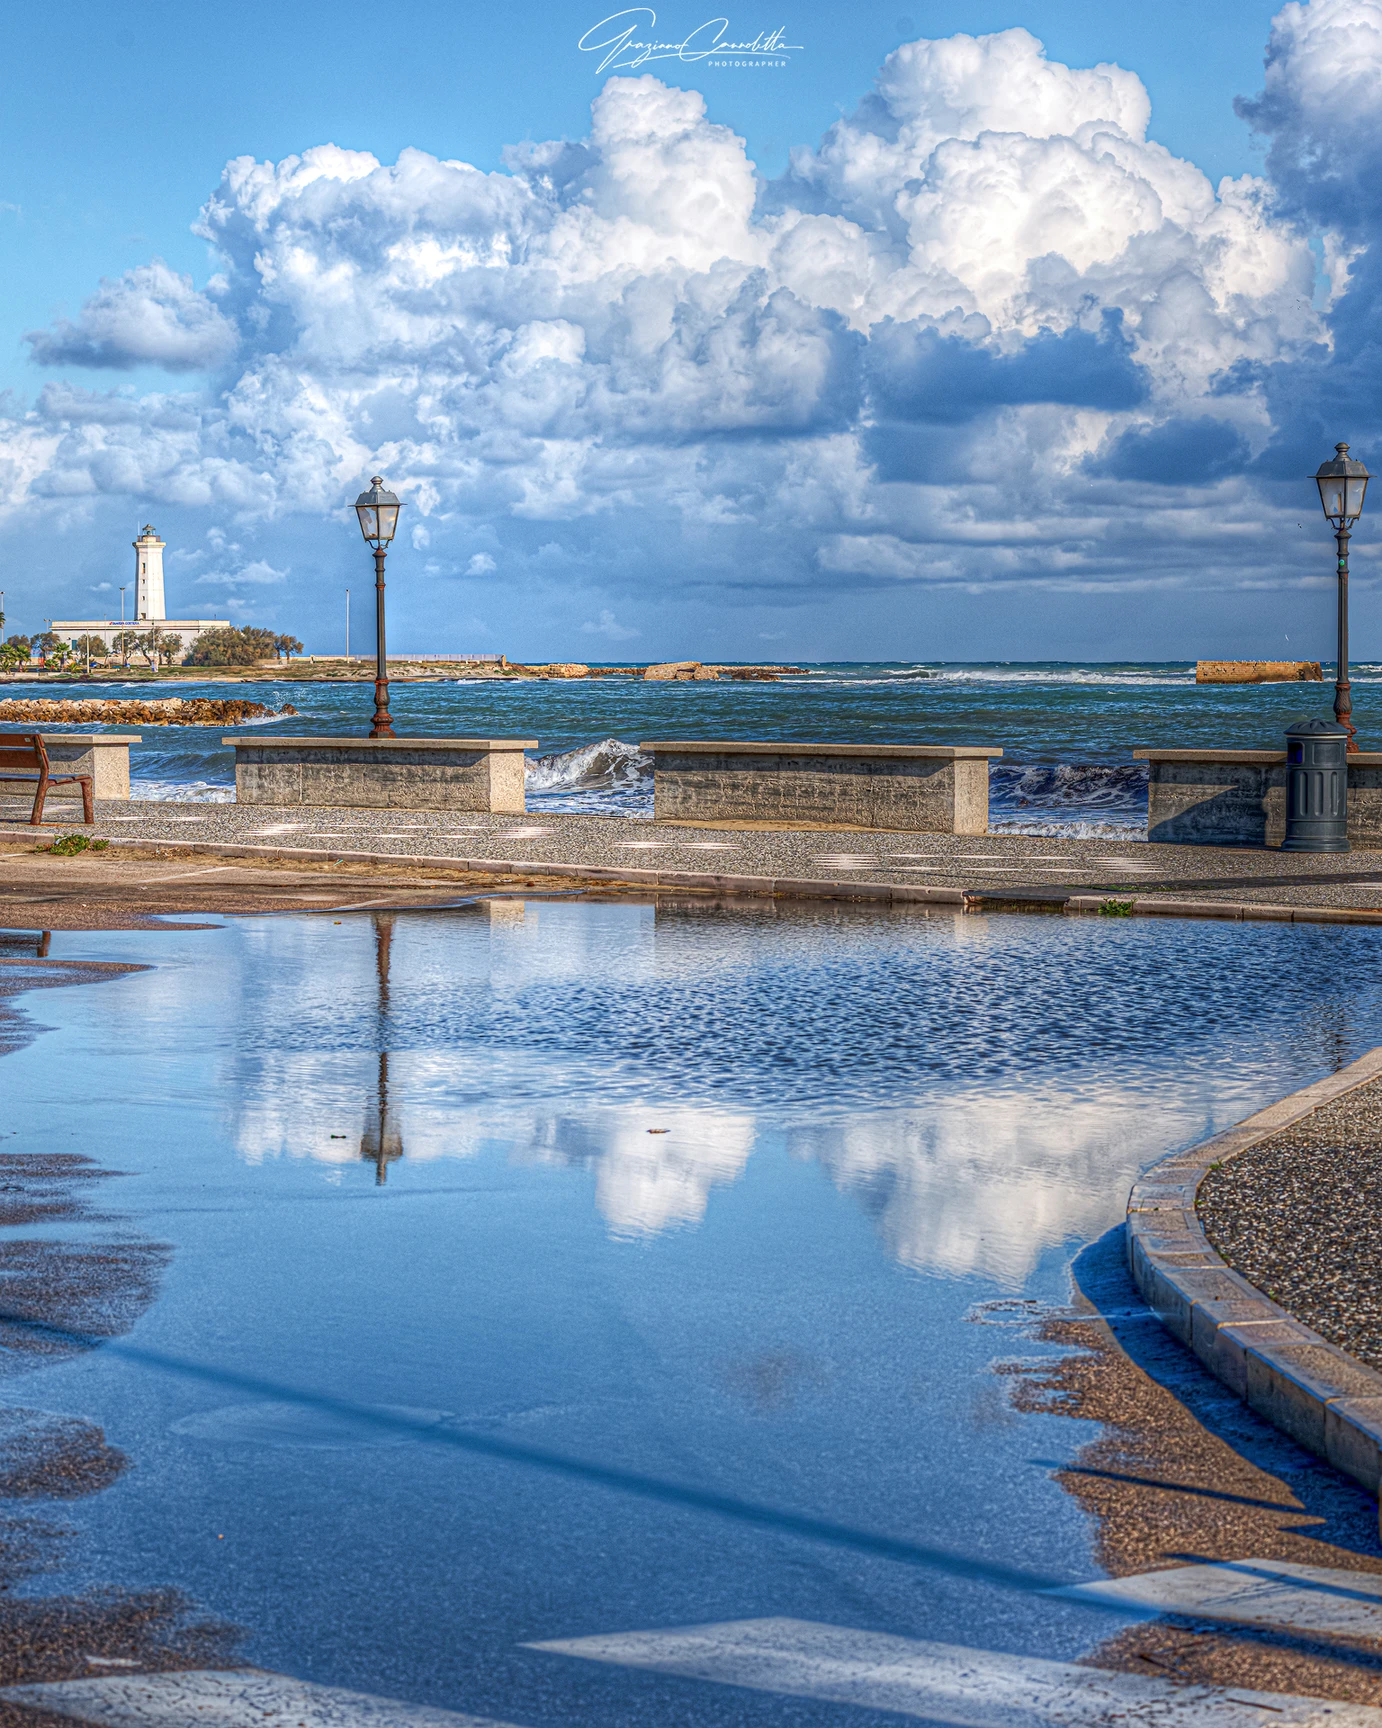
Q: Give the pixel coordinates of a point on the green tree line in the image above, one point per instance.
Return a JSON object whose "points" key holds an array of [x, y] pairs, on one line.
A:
{"points": [[245, 645]]}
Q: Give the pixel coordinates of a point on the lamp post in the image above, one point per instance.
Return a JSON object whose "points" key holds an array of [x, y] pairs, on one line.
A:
{"points": [[1342, 484], [378, 513], [382, 1142]]}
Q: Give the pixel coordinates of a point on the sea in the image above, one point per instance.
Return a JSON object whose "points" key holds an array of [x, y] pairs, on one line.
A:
{"points": [[1067, 730]]}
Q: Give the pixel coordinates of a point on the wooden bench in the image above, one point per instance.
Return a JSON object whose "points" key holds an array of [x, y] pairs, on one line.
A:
{"points": [[24, 758]]}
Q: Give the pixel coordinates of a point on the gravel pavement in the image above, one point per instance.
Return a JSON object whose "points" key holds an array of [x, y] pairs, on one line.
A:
{"points": [[1298, 1217], [992, 863]]}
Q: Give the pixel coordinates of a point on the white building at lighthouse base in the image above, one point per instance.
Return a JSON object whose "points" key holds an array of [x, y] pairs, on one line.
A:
{"points": [[109, 630]]}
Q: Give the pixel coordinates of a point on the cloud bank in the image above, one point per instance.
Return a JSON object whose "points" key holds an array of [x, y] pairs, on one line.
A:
{"points": [[985, 332]]}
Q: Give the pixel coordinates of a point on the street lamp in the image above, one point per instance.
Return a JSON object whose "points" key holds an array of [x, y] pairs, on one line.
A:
{"points": [[382, 1141], [1342, 484], [378, 513]]}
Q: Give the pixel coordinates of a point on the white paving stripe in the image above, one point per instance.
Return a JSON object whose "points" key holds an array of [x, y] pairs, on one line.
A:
{"points": [[229, 1698], [1254, 1593], [946, 1682], [181, 875]]}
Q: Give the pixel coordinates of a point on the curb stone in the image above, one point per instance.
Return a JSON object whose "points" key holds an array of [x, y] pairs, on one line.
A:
{"points": [[1327, 1402]]}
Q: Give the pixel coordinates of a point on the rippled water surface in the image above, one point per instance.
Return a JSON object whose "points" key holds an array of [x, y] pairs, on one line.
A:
{"points": [[702, 1196]]}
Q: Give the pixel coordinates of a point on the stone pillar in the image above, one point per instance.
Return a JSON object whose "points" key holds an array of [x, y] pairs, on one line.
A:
{"points": [[104, 756]]}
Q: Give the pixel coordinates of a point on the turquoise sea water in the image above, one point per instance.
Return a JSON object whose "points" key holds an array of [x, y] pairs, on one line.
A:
{"points": [[1067, 731]]}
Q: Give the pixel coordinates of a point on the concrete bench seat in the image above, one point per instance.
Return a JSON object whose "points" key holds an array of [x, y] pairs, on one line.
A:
{"points": [[919, 788], [1238, 797], [486, 774]]}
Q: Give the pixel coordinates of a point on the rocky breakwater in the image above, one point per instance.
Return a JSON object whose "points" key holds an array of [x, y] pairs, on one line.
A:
{"points": [[694, 672], [51, 713], [1257, 672]]}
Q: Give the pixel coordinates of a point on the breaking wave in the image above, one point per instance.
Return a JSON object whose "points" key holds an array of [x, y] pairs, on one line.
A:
{"points": [[610, 777], [1073, 799], [1170, 676], [182, 776]]}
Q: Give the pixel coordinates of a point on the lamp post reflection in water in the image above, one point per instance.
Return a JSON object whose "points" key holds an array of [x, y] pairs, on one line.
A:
{"points": [[381, 1143]]}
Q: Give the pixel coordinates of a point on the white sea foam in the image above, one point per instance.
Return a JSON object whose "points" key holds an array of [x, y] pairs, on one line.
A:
{"points": [[1081, 675], [180, 792], [611, 776], [1040, 830]]}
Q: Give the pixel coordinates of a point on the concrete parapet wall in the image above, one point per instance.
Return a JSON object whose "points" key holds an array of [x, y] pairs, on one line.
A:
{"points": [[935, 789], [1238, 797], [1327, 1401], [104, 756], [485, 774]]}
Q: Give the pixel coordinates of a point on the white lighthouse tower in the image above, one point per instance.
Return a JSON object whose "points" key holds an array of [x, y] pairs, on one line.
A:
{"points": [[151, 620], [148, 575]]}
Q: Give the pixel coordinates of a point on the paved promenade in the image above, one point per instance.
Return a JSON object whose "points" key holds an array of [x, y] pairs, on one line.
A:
{"points": [[996, 867], [1297, 1216]]}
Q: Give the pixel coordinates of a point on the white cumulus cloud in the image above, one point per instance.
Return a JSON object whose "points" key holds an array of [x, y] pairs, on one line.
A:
{"points": [[609, 625], [257, 574], [150, 316], [985, 331]]}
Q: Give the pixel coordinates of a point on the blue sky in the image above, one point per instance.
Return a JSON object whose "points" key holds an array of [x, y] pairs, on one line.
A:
{"points": [[968, 379]]}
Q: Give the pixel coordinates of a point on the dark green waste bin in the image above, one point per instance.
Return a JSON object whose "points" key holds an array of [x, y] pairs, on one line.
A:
{"points": [[1316, 787]]}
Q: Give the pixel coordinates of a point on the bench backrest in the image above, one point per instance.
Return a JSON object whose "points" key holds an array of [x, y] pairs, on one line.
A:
{"points": [[23, 753]]}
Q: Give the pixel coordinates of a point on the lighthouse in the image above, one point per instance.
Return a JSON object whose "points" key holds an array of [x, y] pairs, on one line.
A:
{"points": [[148, 575], [150, 621]]}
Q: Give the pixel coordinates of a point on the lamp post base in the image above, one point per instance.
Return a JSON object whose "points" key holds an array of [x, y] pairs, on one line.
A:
{"points": [[1343, 716], [382, 724]]}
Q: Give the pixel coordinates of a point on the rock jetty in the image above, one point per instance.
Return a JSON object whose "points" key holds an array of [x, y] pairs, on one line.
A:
{"points": [[1257, 672], [680, 671], [51, 712], [693, 672]]}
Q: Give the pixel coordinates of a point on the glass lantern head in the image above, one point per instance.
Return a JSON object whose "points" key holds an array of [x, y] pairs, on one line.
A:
{"points": [[378, 512], [1342, 484]]}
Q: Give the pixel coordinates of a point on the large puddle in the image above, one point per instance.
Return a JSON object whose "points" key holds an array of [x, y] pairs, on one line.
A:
{"points": [[702, 1197]]}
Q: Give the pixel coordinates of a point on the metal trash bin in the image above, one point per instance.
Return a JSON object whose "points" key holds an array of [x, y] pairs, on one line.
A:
{"points": [[1316, 787]]}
